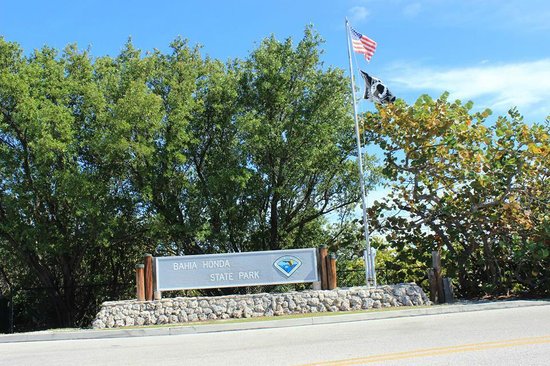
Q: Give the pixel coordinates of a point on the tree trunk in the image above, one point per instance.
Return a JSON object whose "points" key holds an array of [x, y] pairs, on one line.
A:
{"points": [[274, 223], [62, 300]]}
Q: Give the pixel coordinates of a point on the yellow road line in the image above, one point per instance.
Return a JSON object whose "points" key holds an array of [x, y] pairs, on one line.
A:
{"points": [[437, 351]]}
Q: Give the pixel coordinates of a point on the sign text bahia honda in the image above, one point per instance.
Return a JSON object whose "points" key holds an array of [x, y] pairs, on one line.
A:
{"points": [[236, 269]]}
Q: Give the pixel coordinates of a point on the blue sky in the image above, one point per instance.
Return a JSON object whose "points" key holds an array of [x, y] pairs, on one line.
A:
{"points": [[494, 52]]}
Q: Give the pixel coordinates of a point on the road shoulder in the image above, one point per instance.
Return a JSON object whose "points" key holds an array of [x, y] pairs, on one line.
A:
{"points": [[267, 323]]}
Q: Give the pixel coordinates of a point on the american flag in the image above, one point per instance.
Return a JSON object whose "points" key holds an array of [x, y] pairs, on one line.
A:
{"points": [[362, 44]]}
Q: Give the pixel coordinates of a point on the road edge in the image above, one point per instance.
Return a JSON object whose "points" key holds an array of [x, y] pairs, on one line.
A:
{"points": [[266, 324]]}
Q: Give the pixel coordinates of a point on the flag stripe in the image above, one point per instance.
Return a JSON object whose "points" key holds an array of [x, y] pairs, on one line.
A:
{"points": [[366, 52], [362, 44], [368, 44], [358, 46]]}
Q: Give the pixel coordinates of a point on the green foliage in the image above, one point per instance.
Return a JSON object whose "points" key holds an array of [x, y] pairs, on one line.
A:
{"points": [[393, 263], [64, 208], [480, 192], [102, 160], [295, 128]]}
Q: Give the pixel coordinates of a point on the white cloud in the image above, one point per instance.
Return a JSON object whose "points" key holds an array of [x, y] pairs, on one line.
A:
{"points": [[519, 15], [358, 14], [412, 10], [500, 87]]}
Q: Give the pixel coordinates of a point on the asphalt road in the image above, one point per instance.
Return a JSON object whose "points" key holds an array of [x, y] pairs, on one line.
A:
{"points": [[516, 336]]}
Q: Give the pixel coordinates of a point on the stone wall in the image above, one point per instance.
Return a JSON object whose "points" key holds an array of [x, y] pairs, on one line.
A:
{"points": [[115, 314]]}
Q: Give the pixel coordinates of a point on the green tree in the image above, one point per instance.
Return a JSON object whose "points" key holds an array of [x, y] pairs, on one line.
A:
{"points": [[65, 212], [104, 159], [297, 135], [479, 192], [247, 155]]}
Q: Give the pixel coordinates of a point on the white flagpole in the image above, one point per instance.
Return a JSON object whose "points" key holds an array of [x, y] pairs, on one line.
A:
{"points": [[370, 274]]}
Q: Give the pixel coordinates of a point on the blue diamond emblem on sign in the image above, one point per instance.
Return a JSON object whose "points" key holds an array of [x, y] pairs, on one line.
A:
{"points": [[287, 265]]}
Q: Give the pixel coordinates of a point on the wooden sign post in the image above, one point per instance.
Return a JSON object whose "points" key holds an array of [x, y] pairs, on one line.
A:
{"points": [[140, 285], [331, 266], [323, 253], [148, 274]]}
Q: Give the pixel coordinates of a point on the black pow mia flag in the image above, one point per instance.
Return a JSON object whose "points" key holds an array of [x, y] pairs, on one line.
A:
{"points": [[376, 91]]}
